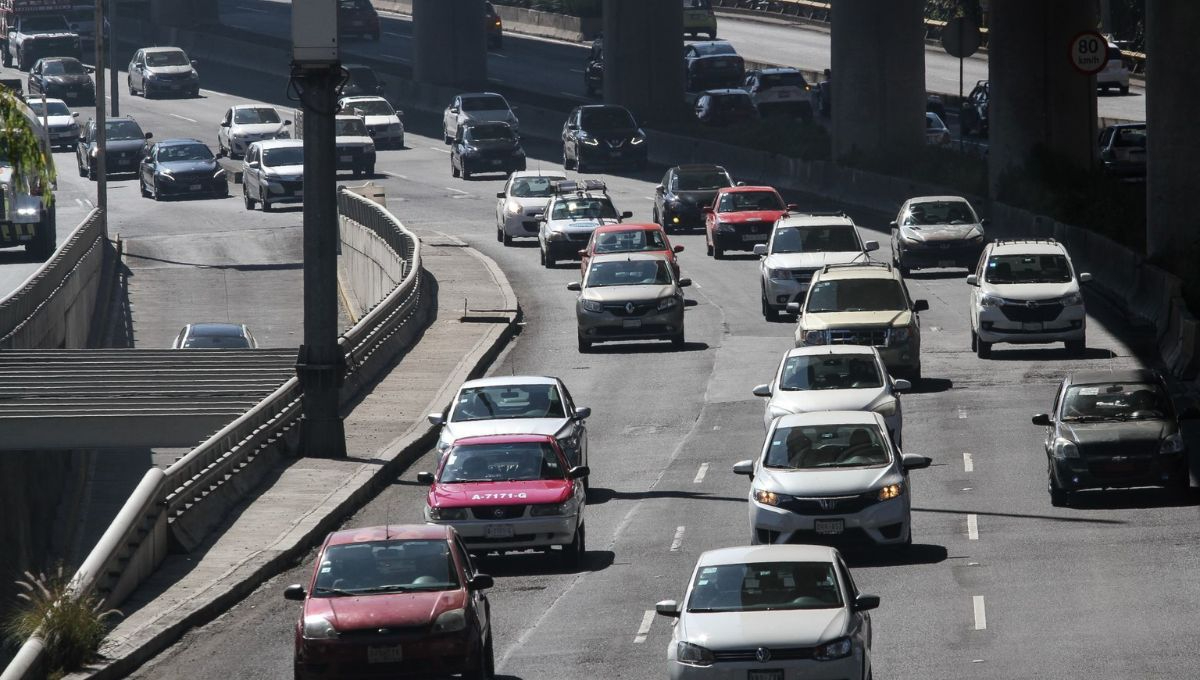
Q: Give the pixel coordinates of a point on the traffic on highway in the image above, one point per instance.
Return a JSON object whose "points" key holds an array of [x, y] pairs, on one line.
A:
{"points": [[794, 438]]}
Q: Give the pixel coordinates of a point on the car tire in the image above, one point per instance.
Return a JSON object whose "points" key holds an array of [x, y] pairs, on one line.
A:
{"points": [[142, 187], [246, 198], [43, 244], [506, 240], [369, 170], [82, 170], [156, 195], [983, 350], [1077, 348], [579, 167], [548, 260], [678, 341], [266, 205], [574, 554], [453, 170], [1124, 89], [499, 235], [466, 174], [585, 346], [91, 172], [485, 667], [1059, 497], [718, 252], [769, 313]]}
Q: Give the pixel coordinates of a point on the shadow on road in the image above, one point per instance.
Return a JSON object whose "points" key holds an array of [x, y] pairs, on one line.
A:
{"points": [[917, 553], [1023, 515], [533, 563], [600, 496]]}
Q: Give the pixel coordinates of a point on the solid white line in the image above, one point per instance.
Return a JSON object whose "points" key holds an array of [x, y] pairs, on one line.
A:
{"points": [[79, 201], [697, 284], [391, 56], [644, 629], [390, 34], [576, 70], [440, 149], [251, 9], [980, 613], [460, 192], [497, 54], [968, 462], [678, 540], [89, 202], [973, 527], [700, 474], [392, 174], [648, 198], [176, 115]]}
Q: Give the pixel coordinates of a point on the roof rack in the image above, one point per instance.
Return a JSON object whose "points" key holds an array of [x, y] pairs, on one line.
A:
{"points": [[820, 213], [1024, 240], [570, 186], [864, 263]]}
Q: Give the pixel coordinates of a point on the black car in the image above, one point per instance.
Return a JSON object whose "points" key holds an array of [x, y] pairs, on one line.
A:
{"points": [[712, 64], [180, 167], [600, 135], [486, 147], [124, 145], [360, 80], [685, 190], [493, 25], [1113, 429], [593, 70], [974, 114], [358, 18], [63, 78], [725, 107], [1123, 150]]}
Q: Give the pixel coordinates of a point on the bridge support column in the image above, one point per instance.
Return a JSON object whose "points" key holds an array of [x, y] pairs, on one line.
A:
{"points": [[878, 71], [449, 43], [1172, 145], [1039, 102], [643, 58]]}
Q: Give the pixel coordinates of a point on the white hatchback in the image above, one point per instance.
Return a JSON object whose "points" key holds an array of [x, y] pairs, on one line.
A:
{"points": [[476, 107], [525, 197]]}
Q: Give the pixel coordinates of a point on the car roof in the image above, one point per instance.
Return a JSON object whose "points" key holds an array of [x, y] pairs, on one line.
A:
{"points": [[727, 92], [831, 349], [539, 173], [511, 380], [49, 101], [470, 95], [280, 143], [235, 107], [60, 59], [1133, 375], [389, 532], [934, 199], [863, 271], [505, 439], [362, 98], [594, 107], [829, 418], [767, 553], [802, 220], [628, 226], [616, 257], [699, 167], [347, 116], [760, 187], [215, 329], [178, 141], [1028, 248], [166, 48]]}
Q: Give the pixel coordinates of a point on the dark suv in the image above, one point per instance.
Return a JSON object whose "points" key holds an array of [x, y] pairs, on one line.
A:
{"points": [[685, 191], [974, 114], [712, 64], [599, 135]]}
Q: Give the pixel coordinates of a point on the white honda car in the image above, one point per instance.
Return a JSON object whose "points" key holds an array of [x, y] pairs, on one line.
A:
{"points": [[831, 476], [244, 125], [834, 378], [771, 612], [525, 197]]}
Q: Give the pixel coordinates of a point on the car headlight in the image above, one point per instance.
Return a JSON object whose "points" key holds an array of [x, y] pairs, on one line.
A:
{"points": [[637, 139], [814, 337], [767, 497], [836, 649], [887, 409], [891, 491], [591, 305], [667, 303], [95, 150], [166, 173], [990, 301], [151, 75], [27, 212], [777, 411], [319, 628], [512, 207], [1071, 299], [590, 142], [909, 237], [557, 236], [519, 152], [193, 74], [552, 509], [693, 655], [219, 173], [395, 127], [779, 274], [976, 233], [899, 336], [450, 621], [447, 514], [1065, 448], [1172, 444]]}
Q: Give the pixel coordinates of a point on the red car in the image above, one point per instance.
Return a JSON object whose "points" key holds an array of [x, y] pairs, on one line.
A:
{"points": [[510, 492], [393, 602], [358, 18], [741, 217], [629, 238]]}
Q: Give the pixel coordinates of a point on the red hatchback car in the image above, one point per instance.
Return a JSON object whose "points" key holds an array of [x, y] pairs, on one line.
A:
{"points": [[741, 217], [629, 238], [393, 602]]}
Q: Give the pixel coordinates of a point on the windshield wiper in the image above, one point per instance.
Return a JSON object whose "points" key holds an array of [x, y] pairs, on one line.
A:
{"points": [[336, 591], [465, 481], [1087, 419]]}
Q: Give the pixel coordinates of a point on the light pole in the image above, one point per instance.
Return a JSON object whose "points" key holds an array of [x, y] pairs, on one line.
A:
{"points": [[101, 132], [115, 83]]}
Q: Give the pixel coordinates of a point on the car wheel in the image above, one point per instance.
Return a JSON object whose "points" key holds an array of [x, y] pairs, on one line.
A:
{"points": [[466, 174], [914, 376], [506, 240], [548, 260], [565, 162], [573, 554], [369, 170], [246, 197], [499, 234], [1077, 348], [585, 346], [154, 188], [82, 170], [1124, 89], [983, 350], [718, 252], [677, 340], [142, 186], [453, 170], [904, 271], [262, 198], [579, 167], [91, 172], [1059, 497], [769, 313]]}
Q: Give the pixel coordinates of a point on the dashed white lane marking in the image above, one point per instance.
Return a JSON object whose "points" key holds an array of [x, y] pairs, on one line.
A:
{"points": [[392, 56], [210, 93], [644, 629], [968, 462], [79, 201], [576, 70], [716, 427], [393, 174], [256, 10], [700, 473], [460, 192], [497, 54], [962, 413], [696, 284], [435, 148], [980, 613], [678, 540], [89, 203], [176, 115], [973, 527], [390, 34]]}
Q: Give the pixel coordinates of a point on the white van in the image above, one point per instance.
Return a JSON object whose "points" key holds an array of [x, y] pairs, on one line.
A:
{"points": [[1115, 73]]}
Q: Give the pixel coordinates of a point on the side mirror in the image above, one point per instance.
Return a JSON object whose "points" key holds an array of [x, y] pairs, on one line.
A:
{"points": [[294, 592], [690, 303], [684, 283], [1085, 277], [579, 472], [89, 69], [225, 123], [582, 252], [870, 246], [583, 412], [760, 249], [667, 608], [762, 390], [901, 385], [484, 581], [575, 286], [793, 308], [677, 249], [149, 135], [741, 184], [287, 123], [972, 280], [453, 109], [499, 194], [436, 419], [74, 114], [920, 305], [254, 164], [629, 213], [744, 467], [425, 477], [864, 603], [659, 189], [911, 461], [707, 210], [985, 222], [1042, 419], [194, 63], [893, 225]]}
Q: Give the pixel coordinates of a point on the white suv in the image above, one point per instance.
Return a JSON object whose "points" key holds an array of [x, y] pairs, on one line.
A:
{"points": [[1027, 292], [1115, 73]]}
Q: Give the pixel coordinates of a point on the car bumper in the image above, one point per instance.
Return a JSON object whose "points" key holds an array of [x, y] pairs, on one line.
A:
{"points": [[682, 216], [883, 523], [849, 668], [993, 326], [945, 254], [567, 249], [601, 156], [428, 657], [779, 292], [527, 532], [64, 137], [172, 87], [522, 225], [351, 159], [116, 166], [736, 239], [602, 326], [1089, 473], [482, 164], [184, 186]]}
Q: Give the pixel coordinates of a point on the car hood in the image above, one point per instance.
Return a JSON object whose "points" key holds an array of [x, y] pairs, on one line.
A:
{"points": [[490, 116], [940, 232], [500, 493], [168, 70], [485, 428], [824, 320], [256, 128], [825, 482], [354, 141], [704, 197], [810, 260], [1032, 291], [385, 610], [124, 145], [495, 145], [720, 631], [807, 401], [749, 216], [51, 33], [189, 166], [613, 133], [628, 293], [284, 170], [54, 121], [78, 79], [530, 202], [1136, 433]]}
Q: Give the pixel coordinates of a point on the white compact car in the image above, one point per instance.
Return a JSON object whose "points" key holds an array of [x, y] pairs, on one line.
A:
{"points": [[831, 476], [518, 404], [61, 125], [1115, 73], [525, 197], [273, 173], [780, 89], [835, 378], [575, 210], [937, 231], [799, 246], [243, 125], [771, 612], [383, 122], [476, 107], [1027, 292], [215, 336]]}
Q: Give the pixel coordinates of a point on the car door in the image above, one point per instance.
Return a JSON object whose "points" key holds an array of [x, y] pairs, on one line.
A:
{"points": [[250, 174], [450, 117], [479, 600], [660, 196], [568, 131], [860, 628], [1051, 432], [577, 428], [224, 129], [146, 167], [134, 76], [35, 79]]}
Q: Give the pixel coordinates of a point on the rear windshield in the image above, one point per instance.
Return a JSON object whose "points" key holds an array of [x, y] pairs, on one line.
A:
{"points": [[363, 77], [53, 108], [496, 132], [1130, 137], [697, 4], [700, 181], [288, 155], [584, 208], [122, 129], [351, 127], [372, 107], [714, 48], [44, 24], [217, 342]]}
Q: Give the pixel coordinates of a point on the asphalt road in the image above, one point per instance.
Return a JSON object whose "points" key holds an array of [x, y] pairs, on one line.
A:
{"points": [[1099, 591]]}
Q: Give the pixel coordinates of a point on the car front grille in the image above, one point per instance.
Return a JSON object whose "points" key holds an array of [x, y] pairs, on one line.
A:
{"points": [[803, 276], [629, 309], [777, 654], [830, 505], [1031, 311], [498, 511], [1108, 468], [859, 336], [753, 227]]}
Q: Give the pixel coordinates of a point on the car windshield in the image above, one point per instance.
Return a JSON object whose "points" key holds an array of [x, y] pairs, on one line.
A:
{"points": [[217, 340], [115, 130], [42, 24], [507, 462], [49, 108], [63, 67], [830, 372], [628, 273], [631, 241], [606, 118], [174, 58], [378, 567], [1130, 137], [1115, 401], [497, 132], [789, 79], [255, 116], [836, 238], [500, 402], [739, 201], [491, 102], [288, 155], [940, 212], [700, 181], [856, 295], [354, 4], [372, 107], [1047, 268], [764, 586], [184, 152], [351, 127], [697, 4], [826, 446], [583, 208], [533, 187]]}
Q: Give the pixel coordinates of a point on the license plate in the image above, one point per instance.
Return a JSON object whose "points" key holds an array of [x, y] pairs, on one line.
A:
{"points": [[498, 531], [614, 154], [631, 323], [345, 159], [754, 237], [72, 94], [174, 87], [829, 526], [495, 161], [194, 187], [773, 674], [385, 654], [946, 263], [1032, 326], [1119, 468]]}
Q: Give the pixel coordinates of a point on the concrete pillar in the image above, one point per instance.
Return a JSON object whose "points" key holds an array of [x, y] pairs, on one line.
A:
{"points": [[450, 43], [1172, 145], [1038, 100], [643, 58], [878, 71]]}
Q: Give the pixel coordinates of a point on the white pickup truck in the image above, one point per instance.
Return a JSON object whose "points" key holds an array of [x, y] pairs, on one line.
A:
{"points": [[30, 37]]}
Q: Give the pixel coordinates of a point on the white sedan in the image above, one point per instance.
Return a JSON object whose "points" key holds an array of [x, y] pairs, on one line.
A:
{"points": [[835, 378], [244, 125], [383, 122], [771, 613], [524, 199], [61, 125]]}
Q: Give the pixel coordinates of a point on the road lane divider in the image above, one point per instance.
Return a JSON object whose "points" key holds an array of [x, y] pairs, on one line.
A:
{"points": [[980, 612], [644, 629], [968, 462], [677, 540], [701, 473], [973, 527]]}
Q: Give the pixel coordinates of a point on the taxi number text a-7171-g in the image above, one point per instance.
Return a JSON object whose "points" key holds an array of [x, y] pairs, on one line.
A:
{"points": [[497, 496]]}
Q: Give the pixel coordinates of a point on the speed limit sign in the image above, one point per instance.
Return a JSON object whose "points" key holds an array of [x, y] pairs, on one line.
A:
{"points": [[1089, 52]]}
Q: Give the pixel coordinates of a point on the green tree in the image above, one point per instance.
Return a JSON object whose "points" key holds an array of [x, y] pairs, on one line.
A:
{"points": [[20, 147]]}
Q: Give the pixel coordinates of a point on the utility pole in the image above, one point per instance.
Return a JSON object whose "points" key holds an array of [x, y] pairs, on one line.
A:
{"points": [[316, 77], [101, 120], [115, 82]]}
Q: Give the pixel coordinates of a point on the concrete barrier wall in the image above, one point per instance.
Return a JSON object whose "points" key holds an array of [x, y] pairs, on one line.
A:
{"points": [[524, 21], [372, 268]]}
